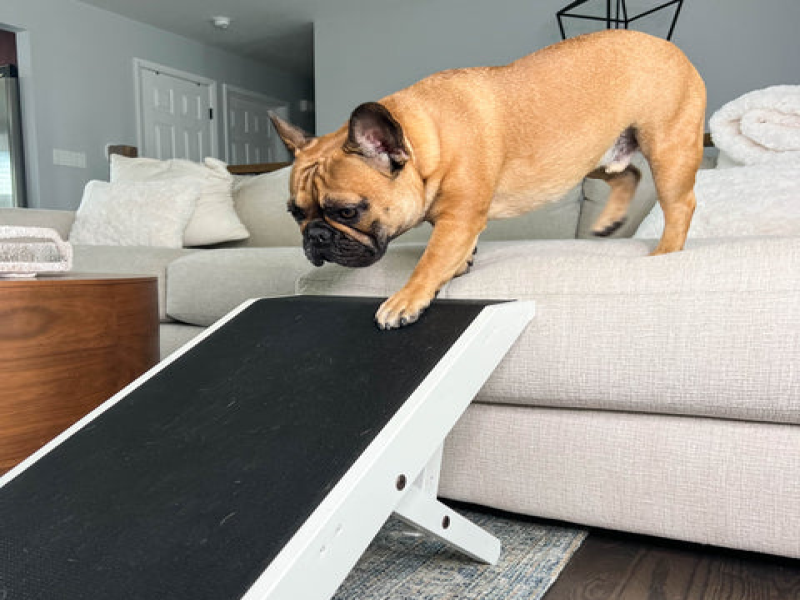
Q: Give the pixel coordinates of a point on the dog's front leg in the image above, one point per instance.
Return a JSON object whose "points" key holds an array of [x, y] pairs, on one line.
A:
{"points": [[449, 250]]}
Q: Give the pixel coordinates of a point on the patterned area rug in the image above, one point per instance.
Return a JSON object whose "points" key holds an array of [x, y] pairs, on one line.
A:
{"points": [[402, 564]]}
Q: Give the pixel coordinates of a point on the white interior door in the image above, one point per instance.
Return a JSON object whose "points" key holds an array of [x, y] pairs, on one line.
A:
{"points": [[176, 114], [249, 135]]}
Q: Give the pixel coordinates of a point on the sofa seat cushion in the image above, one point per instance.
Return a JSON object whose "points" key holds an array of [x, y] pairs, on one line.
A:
{"points": [[205, 286], [129, 260], [710, 331]]}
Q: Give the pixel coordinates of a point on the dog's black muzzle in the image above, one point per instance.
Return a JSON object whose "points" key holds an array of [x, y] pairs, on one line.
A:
{"points": [[322, 242]]}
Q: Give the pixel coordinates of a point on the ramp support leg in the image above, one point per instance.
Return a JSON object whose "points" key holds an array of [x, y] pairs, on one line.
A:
{"points": [[420, 508]]}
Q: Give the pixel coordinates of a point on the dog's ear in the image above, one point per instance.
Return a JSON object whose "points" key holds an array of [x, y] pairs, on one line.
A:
{"points": [[375, 134], [294, 138]]}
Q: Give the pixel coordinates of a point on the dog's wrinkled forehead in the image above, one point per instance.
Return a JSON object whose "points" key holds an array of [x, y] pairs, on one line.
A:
{"points": [[304, 187], [331, 178], [303, 175]]}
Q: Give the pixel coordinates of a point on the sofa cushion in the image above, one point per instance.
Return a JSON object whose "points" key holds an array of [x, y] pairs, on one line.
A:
{"points": [[207, 285], [214, 219], [711, 331], [709, 481], [129, 261], [140, 213], [173, 336], [554, 221], [260, 202]]}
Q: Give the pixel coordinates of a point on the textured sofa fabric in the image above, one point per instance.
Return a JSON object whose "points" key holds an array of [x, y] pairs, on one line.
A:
{"points": [[208, 285], [658, 395], [712, 481], [615, 329]]}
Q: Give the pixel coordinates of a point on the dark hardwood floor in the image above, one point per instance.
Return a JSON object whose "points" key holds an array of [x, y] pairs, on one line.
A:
{"points": [[613, 566]]}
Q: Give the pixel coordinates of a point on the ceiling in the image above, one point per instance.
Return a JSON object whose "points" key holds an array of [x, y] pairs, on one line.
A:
{"points": [[276, 32]]}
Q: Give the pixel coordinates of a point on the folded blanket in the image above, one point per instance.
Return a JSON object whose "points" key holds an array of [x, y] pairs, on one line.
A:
{"points": [[25, 251], [760, 127]]}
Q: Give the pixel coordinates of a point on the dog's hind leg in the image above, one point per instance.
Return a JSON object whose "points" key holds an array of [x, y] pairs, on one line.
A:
{"points": [[623, 187], [674, 165]]}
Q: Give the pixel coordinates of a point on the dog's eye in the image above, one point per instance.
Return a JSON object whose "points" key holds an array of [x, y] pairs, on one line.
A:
{"points": [[347, 213]]}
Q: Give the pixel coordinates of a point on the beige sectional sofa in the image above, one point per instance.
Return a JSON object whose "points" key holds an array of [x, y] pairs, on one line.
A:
{"points": [[658, 395]]}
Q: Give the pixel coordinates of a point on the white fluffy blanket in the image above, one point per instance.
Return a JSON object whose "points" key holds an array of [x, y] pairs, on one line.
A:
{"points": [[760, 127], [743, 201]]}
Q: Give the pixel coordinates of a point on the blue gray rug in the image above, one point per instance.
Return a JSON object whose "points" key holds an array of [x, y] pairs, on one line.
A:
{"points": [[401, 564]]}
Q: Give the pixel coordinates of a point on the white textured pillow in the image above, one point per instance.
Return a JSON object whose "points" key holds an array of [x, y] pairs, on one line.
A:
{"points": [[147, 213], [215, 219], [738, 201]]}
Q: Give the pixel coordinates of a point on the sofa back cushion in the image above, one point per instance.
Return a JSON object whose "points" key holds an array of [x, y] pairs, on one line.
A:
{"points": [[555, 221], [260, 202]]}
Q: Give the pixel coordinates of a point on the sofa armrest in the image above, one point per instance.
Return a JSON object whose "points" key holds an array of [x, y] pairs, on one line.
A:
{"points": [[60, 220]]}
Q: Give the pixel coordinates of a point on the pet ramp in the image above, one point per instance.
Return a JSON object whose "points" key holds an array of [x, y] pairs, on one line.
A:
{"points": [[257, 462]]}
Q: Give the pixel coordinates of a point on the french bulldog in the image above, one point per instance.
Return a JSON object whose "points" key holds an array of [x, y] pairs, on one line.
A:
{"points": [[464, 146]]}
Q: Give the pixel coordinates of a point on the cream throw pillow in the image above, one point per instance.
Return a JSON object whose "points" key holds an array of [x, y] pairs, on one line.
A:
{"points": [[147, 213], [215, 219]]}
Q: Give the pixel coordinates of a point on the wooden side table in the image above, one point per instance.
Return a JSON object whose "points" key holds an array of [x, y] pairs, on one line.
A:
{"points": [[67, 344]]}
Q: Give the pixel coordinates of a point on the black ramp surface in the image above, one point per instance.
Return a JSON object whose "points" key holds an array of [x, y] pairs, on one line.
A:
{"points": [[191, 484]]}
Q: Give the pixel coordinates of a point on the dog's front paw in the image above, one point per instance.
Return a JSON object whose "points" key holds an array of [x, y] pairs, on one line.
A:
{"points": [[402, 309]]}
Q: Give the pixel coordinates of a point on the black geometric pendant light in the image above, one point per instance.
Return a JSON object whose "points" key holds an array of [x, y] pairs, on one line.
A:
{"points": [[619, 17]]}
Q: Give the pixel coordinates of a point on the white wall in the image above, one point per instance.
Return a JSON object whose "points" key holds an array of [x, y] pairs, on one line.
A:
{"points": [[77, 84], [737, 45]]}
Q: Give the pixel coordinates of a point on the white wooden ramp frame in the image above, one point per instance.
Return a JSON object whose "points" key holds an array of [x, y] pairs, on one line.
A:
{"points": [[399, 472]]}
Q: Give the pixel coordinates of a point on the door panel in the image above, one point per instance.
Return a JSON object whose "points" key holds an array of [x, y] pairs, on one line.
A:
{"points": [[177, 117], [250, 137]]}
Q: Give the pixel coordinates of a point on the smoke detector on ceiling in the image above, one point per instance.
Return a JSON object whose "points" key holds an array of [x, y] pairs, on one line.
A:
{"points": [[221, 22]]}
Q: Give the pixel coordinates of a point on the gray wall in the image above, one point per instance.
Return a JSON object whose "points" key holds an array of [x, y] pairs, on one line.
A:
{"points": [[737, 45], [76, 68]]}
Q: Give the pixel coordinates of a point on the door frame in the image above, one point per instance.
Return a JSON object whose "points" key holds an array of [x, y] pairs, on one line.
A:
{"points": [[281, 107], [140, 65]]}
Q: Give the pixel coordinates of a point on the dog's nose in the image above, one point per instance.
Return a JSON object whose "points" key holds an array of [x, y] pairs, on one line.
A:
{"points": [[319, 234]]}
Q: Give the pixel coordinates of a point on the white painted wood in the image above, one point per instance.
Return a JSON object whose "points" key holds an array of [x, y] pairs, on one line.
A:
{"points": [[249, 135], [326, 547], [428, 480], [176, 113], [424, 512]]}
